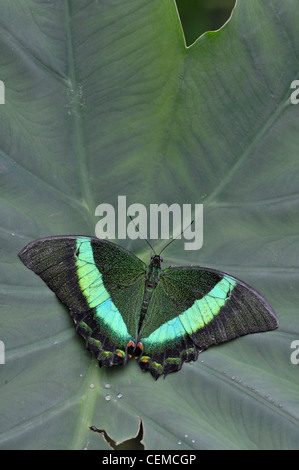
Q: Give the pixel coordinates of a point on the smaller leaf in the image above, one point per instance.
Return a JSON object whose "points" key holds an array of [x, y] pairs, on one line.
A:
{"points": [[129, 444]]}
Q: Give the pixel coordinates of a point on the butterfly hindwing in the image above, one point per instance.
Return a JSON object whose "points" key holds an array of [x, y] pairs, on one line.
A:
{"points": [[200, 307], [102, 285]]}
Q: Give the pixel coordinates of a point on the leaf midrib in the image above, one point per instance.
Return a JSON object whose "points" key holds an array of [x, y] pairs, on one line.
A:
{"points": [[79, 146]]}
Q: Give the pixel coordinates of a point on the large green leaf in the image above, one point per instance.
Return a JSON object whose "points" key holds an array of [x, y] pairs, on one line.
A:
{"points": [[102, 98]]}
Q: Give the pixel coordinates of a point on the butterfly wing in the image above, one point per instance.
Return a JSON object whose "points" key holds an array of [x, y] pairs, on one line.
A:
{"points": [[193, 308], [101, 283]]}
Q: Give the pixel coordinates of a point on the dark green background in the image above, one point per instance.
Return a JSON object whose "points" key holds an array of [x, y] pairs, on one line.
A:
{"points": [[198, 16]]}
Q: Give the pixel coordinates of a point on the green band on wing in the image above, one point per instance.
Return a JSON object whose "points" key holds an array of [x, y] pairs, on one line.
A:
{"points": [[170, 331], [197, 316], [94, 291], [204, 310]]}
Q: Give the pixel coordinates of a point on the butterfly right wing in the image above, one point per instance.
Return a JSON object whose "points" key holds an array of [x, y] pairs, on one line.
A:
{"points": [[193, 308], [101, 283]]}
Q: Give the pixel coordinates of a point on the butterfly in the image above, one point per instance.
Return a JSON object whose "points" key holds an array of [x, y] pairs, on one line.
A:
{"points": [[124, 308]]}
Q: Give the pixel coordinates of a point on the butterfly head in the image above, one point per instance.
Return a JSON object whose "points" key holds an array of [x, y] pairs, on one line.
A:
{"points": [[156, 261]]}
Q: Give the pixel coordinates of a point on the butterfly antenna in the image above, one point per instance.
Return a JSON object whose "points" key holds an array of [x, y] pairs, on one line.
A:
{"points": [[178, 236], [144, 238]]}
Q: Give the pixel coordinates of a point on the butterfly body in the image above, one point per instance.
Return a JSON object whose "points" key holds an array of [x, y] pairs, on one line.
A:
{"points": [[151, 281], [124, 308]]}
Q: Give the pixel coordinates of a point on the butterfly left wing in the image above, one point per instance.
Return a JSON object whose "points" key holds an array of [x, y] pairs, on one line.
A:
{"points": [[101, 283], [193, 308]]}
